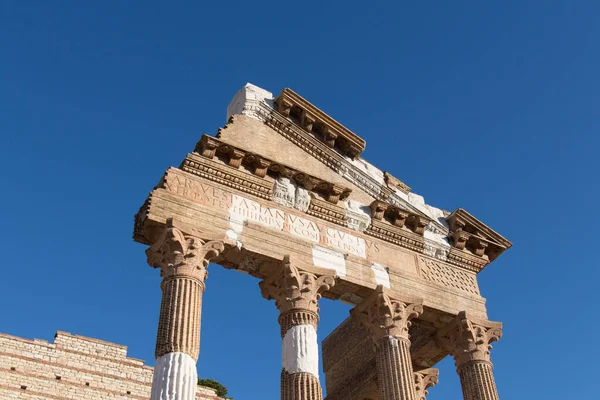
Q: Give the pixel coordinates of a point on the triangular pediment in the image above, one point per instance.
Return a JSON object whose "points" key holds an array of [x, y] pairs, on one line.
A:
{"points": [[295, 132]]}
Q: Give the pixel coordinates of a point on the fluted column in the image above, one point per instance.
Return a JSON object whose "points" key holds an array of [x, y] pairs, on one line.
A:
{"points": [[183, 260], [469, 341], [425, 379], [296, 292], [388, 321]]}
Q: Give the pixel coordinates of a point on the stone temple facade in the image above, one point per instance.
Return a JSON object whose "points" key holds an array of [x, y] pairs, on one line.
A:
{"points": [[74, 368], [281, 193]]}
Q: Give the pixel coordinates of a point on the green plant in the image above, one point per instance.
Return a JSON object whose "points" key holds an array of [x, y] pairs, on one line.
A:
{"points": [[211, 383]]}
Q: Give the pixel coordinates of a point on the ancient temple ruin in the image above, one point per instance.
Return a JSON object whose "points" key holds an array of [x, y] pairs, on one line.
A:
{"points": [[281, 193]]}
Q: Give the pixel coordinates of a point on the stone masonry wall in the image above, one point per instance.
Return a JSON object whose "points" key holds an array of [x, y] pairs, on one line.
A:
{"points": [[74, 367]]}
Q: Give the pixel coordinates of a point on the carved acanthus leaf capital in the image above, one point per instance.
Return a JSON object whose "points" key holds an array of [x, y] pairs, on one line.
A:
{"points": [[294, 288], [468, 339], [424, 380], [178, 254], [385, 317]]}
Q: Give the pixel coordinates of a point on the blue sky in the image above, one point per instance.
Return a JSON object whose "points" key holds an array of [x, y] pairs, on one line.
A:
{"points": [[488, 106]]}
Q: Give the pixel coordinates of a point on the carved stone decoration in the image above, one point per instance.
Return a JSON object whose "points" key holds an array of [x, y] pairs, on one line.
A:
{"points": [[470, 340], [399, 216], [393, 234], [358, 217], [177, 254], [471, 234], [313, 120], [287, 192], [460, 239], [429, 250], [284, 192], [327, 211], [425, 379], [456, 278], [417, 223], [260, 167], [225, 175], [294, 288], [387, 317], [235, 158], [207, 146], [378, 209], [302, 199]]}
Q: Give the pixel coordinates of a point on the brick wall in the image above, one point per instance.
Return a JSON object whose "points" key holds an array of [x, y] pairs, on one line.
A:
{"points": [[73, 367]]}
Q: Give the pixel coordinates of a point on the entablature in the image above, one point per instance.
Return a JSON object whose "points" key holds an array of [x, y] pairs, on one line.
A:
{"points": [[467, 243]]}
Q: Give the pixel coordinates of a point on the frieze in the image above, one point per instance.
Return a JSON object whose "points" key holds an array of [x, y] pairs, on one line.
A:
{"points": [[449, 276], [288, 193], [209, 147], [241, 209]]}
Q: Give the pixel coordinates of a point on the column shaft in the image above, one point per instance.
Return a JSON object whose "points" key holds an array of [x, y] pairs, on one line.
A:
{"points": [[180, 313], [477, 381], [300, 356], [296, 292], [395, 379]]}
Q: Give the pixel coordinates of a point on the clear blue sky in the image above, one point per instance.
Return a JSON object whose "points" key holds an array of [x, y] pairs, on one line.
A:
{"points": [[488, 106]]}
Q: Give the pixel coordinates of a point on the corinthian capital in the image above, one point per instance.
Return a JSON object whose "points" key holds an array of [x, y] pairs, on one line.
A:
{"points": [[178, 254], [469, 339], [384, 316], [293, 288], [424, 380]]}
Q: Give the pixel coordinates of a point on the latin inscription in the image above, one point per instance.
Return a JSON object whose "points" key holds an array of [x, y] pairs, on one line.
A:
{"points": [[242, 209]]}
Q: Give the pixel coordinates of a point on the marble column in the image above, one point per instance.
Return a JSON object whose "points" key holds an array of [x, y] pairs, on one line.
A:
{"points": [[469, 341], [182, 260], [388, 320], [296, 291], [425, 379]]}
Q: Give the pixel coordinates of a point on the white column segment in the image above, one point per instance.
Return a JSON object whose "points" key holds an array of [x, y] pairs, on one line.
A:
{"points": [[175, 377], [300, 350]]}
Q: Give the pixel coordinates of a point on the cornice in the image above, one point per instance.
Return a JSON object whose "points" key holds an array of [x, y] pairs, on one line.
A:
{"points": [[225, 175], [209, 147], [467, 232], [395, 235], [315, 121], [327, 211]]}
